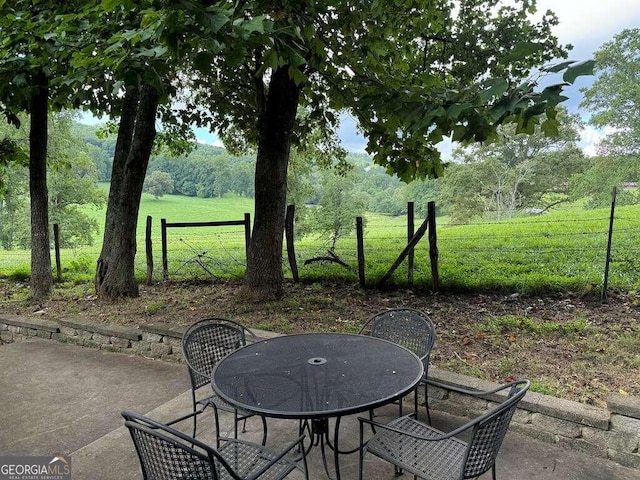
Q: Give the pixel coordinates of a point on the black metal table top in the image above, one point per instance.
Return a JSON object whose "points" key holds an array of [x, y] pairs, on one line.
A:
{"points": [[316, 375]]}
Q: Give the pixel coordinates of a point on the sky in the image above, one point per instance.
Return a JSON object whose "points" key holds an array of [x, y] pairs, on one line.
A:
{"points": [[586, 24]]}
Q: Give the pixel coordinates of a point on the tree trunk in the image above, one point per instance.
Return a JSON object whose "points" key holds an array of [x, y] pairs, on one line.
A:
{"points": [[115, 274], [41, 276], [264, 277]]}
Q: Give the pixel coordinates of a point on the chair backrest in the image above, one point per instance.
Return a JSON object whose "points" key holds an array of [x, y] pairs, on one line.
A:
{"points": [[490, 430], [167, 453], [408, 327], [206, 342]]}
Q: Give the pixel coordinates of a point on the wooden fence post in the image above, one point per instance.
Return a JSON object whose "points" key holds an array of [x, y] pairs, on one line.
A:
{"points": [[149, 250], [360, 243], [247, 233], [288, 230], [165, 261], [605, 283], [56, 245], [433, 246], [410, 232]]}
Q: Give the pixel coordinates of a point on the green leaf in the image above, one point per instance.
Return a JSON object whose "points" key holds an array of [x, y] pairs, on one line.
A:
{"points": [[550, 127], [457, 108], [497, 87], [110, 5], [521, 51], [256, 24], [297, 76], [558, 67], [577, 70], [203, 61]]}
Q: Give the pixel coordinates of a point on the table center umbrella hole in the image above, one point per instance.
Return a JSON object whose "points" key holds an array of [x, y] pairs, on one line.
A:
{"points": [[317, 361]]}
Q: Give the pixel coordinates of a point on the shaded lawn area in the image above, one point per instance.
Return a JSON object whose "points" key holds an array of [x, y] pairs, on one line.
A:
{"points": [[569, 346]]}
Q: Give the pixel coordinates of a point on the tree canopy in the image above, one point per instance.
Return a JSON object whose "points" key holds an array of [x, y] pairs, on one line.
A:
{"points": [[614, 96], [515, 172], [271, 75]]}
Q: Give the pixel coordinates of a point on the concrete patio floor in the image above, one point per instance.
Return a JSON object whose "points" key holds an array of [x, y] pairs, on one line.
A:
{"points": [[60, 399]]}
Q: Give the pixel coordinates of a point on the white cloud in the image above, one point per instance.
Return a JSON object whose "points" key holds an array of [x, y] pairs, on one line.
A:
{"points": [[589, 139], [588, 23]]}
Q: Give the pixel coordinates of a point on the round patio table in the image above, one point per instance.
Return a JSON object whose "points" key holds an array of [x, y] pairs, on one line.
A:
{"points": [[317, 376]]}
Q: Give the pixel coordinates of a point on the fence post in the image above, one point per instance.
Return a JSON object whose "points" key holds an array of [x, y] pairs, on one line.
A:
{"points": [[165, 261], [288, 231], [247, 233], [605, 282], [56, 245], [410, 232], [433, 246], [360, 243], [149, 250]]}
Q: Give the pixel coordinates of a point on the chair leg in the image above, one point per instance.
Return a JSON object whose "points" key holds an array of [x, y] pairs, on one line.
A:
{"points": [[264, 430], [235, 424], [361, 451], [426, 404], [195, 419], [371, 415], [493, 470], [216, 420]]}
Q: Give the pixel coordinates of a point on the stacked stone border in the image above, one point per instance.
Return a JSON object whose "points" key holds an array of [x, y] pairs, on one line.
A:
{"points": [[612, 433]]}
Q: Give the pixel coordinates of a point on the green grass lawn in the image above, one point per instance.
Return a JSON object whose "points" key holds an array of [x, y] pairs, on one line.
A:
{"points": [[563, 249]]}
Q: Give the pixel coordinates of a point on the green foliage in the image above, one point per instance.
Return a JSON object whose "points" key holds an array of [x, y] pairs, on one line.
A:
{"points": [[72, 185], [158, 183], [334, 215], [21, 273], [596, 183], [613, 97], [81, 264], [515, 172], [547, 386]]}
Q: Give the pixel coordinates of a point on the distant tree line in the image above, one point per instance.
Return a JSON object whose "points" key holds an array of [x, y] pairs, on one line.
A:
{"points": [[515, 174]]}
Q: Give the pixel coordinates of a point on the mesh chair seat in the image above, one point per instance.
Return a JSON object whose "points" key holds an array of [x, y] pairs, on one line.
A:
{"points": [[431, 454], [166, 453], [425, 459], [246, 459]]}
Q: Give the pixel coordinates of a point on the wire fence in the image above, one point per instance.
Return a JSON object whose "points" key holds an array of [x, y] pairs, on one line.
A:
{"points": [[527, 253]]}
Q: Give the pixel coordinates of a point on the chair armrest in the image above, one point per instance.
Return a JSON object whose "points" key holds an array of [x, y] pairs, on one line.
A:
{"points": [[523, 384], [436, 438], [182, 418], [152, 424]]}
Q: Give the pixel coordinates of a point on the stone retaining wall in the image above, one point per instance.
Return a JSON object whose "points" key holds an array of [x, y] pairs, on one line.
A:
{"points": [[612, 433]]}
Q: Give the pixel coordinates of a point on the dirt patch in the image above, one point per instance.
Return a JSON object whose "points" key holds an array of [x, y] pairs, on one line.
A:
{"points": [[570, 346]]}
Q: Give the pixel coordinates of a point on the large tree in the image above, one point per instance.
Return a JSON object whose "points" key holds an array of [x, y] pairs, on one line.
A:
{"points": [[614, 97], [411, 72], [32, 58], [129, 57], [514, 172]]}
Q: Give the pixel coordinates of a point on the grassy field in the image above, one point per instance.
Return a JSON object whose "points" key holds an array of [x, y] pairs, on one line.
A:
{"points": [[563, 249]]}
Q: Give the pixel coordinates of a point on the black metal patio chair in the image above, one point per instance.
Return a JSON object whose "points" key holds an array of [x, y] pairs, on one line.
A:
{"points": [[204, 344], [167, 454], [431, 454], [413, 330]]}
